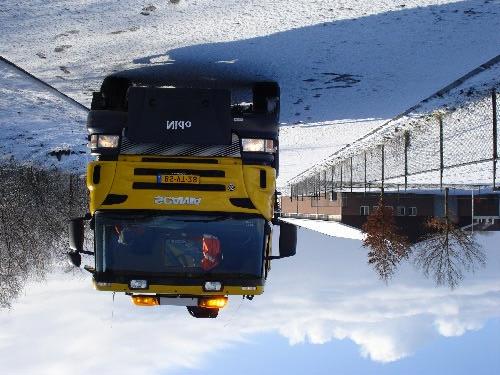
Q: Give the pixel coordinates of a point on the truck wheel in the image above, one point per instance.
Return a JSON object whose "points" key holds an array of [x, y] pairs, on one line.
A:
{"points": [[201, 312]]}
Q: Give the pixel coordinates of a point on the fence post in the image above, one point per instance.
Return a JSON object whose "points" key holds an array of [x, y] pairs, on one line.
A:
{"points": [[441, 156], [326, 185], [341, 170], [351, 174], [495, 135], [365, 171], [407, 143], [318, 188], [333, 174]]}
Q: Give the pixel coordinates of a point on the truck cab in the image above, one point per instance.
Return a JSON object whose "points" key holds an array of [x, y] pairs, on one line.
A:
{"points": [[183, 188]]}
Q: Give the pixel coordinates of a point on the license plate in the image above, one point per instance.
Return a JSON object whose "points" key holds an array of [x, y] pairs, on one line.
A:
{"points": [[178, 301], [178, 179]]}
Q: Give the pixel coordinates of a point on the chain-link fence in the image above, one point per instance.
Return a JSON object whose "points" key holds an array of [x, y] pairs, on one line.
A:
{"points": [[449, 147]]}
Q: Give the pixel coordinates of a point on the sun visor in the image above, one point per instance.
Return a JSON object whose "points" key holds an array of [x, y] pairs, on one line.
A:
{"points": [[179, 116]]}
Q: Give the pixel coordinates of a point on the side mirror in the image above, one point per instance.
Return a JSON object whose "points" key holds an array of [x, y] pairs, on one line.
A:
{"points": [[74, 258], [288, 240], [76, 231]]}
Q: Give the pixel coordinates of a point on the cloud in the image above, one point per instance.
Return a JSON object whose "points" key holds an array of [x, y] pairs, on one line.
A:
{"points": [[456, 327]]}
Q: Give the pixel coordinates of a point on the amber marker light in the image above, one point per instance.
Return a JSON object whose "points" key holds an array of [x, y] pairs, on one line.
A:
{"points": [[212, 303], [145, 301]]}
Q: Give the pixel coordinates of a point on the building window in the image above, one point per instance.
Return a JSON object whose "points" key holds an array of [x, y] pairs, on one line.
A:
{"points": [[364, 210], [401, 211], [412, 211]]}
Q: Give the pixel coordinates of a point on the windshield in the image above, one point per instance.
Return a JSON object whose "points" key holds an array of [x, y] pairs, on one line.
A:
{"points": [[179, 245]]}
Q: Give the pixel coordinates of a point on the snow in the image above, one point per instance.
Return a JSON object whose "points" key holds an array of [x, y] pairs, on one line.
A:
{"points": [[38, 127], [344, 66], [330, 228], [465, 110]]}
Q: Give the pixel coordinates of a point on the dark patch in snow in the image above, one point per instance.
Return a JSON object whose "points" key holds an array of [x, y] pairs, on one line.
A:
{"points": [[146, 11], [67, 33], [471, 12], [62, 48], [59, 153], [41, 55], [64, 69], [131, 29]]}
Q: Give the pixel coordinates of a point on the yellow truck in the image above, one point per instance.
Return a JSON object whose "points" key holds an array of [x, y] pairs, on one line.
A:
{"points": [[183, 189]]}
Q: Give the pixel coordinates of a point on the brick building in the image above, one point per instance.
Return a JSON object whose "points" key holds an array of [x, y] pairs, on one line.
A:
{"points": [[411, 210]]}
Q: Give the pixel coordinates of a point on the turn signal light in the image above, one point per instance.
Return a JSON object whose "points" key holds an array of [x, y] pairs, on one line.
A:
{"points": [[212, 303], [145, 301]]}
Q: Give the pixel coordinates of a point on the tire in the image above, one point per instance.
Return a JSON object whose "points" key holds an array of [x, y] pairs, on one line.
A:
{"points": [[200, 312]]}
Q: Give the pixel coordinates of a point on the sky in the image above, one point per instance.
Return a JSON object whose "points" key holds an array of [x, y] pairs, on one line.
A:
{"points": [[325, 306]]}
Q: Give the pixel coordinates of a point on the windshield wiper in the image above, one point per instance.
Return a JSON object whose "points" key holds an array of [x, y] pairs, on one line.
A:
{"points": [[233, 275], [208, 220]]}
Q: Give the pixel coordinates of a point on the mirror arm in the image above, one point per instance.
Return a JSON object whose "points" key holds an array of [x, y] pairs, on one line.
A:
{"points": [[86, 217], [86, 252], [271, 257]]}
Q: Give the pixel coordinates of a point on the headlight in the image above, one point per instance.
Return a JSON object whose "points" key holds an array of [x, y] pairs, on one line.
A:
{"points": [[258, 145], [104, 141], [138, 284], [212, 286]]}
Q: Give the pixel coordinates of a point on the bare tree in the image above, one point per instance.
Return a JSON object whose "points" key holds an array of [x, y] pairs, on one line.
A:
{"points": [[448, 251], [387, 246], [34, 208]]}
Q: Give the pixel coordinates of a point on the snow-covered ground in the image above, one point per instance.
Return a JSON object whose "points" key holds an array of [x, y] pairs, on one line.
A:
{"points": [[465, 110], [38, 127], [330, 228], [344, 66]]}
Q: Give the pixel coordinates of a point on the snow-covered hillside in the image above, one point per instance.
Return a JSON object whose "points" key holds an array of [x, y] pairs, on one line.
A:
{"points": [[38, 127], [344, 66]]}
